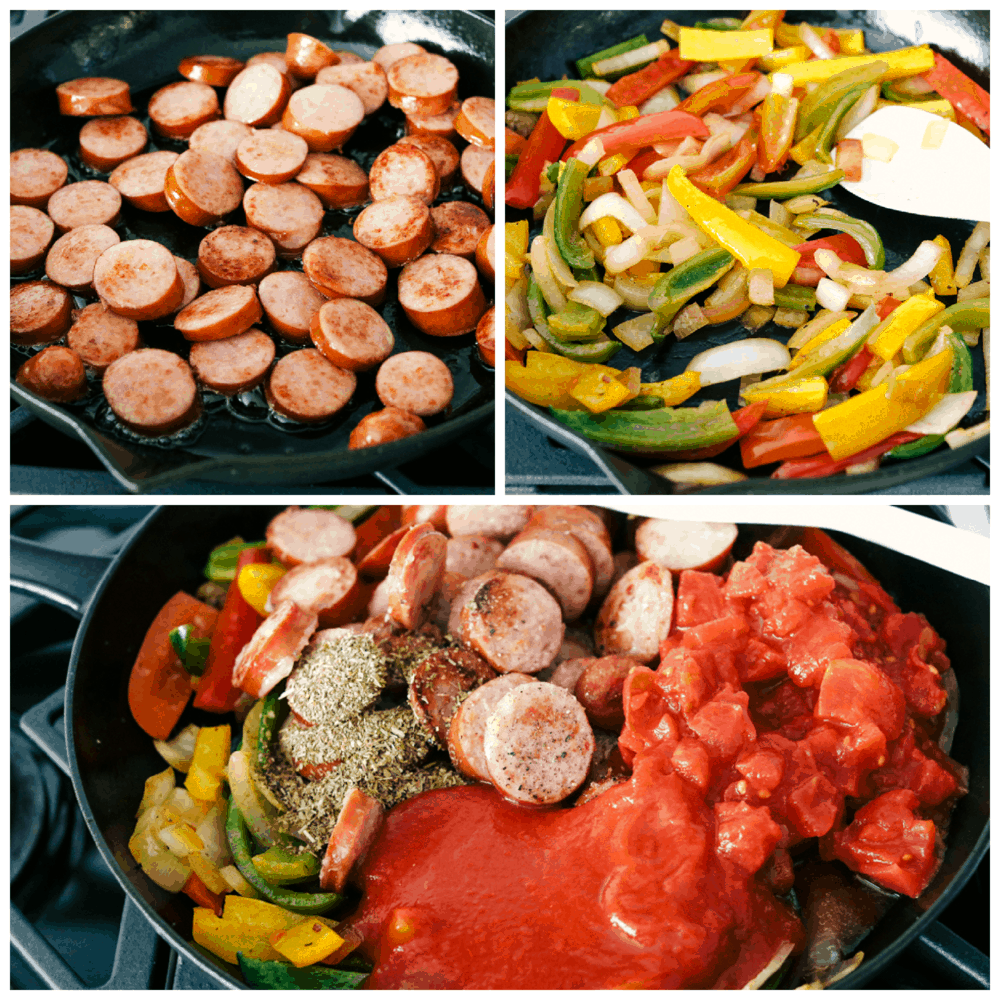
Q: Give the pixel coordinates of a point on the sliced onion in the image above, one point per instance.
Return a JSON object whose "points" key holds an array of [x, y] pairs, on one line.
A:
{"points": [[817, 46], [612, 205], [742, 357], [699, 474], [178, 752], [790, 318], [783, 84], [778, 214], [945, 414], [671, 210], [663, 100], [984, 263], [212, 831], [956, 438], [760, 287], [714, 147], [597, 295], [689, 320], [863, 107], [815, 326], [157, 790], [635, 194], [596, 247], [695, 81], [631, 251], [830, 295], [184, 805], [171, 837], [532, 336], [918, 266], [254, 809], [966, 265], [607, 117], [163, 867], [238, 883], [634, 294], [551, 291], [683, 250], [636, 332], [687, 146], [741, 202], [760, 90], [757, 317], [977, 290], [516, 302]]}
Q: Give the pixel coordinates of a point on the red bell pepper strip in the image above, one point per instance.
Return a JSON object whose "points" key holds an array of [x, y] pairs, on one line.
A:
{"points": [[723, 174], [720, 96], [641, 86], [236, 626], [159, 687], [513, 142], [824, 465], [202, 895], [845, 378], [643, 159], [544, 146], [635, 133], [808, 272], [887, 305], [745, 419], [964, 94], [776, 440], [777, 130]]}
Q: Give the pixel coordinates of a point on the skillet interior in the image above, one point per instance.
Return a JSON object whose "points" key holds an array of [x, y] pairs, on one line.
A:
{"points": [[962, 36], [111, 757], [242, 440]]}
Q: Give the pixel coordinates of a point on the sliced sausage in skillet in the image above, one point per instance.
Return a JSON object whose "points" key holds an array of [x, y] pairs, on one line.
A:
{"points": [[152, 392], [258, 95], [177, 109], [441, 295], [138, 279], [415, 574], [235, 364], [299, 535], [101, 337], [202, 188], [404, 169], [219, 137], [636, 615], [54, 373], [270, 156], [290, 301], [423, 84], [415, 381], [220, 313], [289, 213], [216, 71], [399, 229], [40, 312], [458, 226], [439, 685], [305, 56], [35, 175], [141, 181], [107, 142], [337, 180], [382, 426], [323, 114], [366, 79], [351, 334], [85, 203], [94, 95], [31, 232], [341, 268], [235, 255]]}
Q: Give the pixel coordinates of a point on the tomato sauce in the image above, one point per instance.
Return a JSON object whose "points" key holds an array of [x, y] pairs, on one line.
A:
{"points": [[789, 705]]}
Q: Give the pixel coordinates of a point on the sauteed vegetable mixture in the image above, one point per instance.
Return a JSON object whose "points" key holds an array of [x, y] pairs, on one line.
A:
{"points": [[698, 163], [516, 747]]}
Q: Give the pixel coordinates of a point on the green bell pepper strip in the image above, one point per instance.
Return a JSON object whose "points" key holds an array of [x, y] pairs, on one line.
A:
{"points": [[222, 560], [686, 280], [273, 713], [585, 66], [595, 353], [576, 322], [261, 974], [961, 381], [568, 205], [586, 274], [783, 190], [832, 123], [281, 866], [190, 651], [720, 24], [535, 96], [509, 163], [816, 106], [643, 403], [972, 314], [650, 432], [795, 297], [864, 232], [238, 836]]}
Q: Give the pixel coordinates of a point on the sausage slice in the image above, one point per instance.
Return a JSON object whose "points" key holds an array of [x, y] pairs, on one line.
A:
{"points": [[415, 381], [298, 535], [235, 364], [306, 387], [440, 683], [636, 615], [441, 295], [325, 588], [556, 560], [538, 744], [305, 56], [513, 622], [152, 392], [423, 84], [106, 142], [272, 651], [202, 187], [338, 181], [402, 169], [399, 229], [235, 255], [85, 203], [681, 545], [351, 334], [325, 115], [141, 181], [40, 312], [341, 268], [289, 301], [589, 530], [389, 54], [415, 574], [35, 175], [476, 121], [366, 79], [599, 689], [94, 95], [485, 256], [220, 137], [138, 279], [375, 563], [31, 232], [501, 521], [191, 278], [220, 313], [216, 71], [458, 226], [486, 338], [443, 155], [472, 555], [475, 166], [442, 124], [258, 95], [270, 156], [382, 426], [358, 825], [177, 109], [54, 373], [289, 213], [101, 337]]}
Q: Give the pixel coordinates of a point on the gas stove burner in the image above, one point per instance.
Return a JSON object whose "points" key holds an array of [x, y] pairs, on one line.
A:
{"points": [[27, 801]]}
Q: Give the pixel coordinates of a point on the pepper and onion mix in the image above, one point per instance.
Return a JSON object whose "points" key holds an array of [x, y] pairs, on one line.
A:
{"points": [[684, 182], [796, 725]]}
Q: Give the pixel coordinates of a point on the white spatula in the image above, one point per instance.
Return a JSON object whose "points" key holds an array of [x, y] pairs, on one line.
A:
{"points": [[951, 182]]}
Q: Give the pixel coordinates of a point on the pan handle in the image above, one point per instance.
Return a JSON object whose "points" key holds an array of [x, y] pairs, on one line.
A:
{"points": [[64, 579]]}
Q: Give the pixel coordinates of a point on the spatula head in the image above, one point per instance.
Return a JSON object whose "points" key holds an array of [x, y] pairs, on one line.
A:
{"points": [[952, 181]]}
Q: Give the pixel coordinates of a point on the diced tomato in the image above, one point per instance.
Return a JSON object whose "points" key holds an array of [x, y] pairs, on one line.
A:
{"points": [[745, 835], [723, 724], [692, 763], [648, 718], [814, 806], [699, 598], [159, 687], [853, 692], [909, 767], [775, 440]]}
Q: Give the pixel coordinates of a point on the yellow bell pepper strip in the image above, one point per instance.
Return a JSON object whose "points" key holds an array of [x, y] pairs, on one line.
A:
{"points": [[752, 247], [571, 118], [637, 133], [568, 205], [655, 432], [672, 391], [255, 583], [610, 165], [635, 88], [783, 57], [755, 21], [901, 322], [686, 280], [818, 104], [716, 46], [961, 381], [599, 391], [831, 332], [805, 150], [608, 232], [865, 420], [306, 943], [540, 390], [806, 395], [902, 62], [211, 754], [225, 937], [964, 94], [942, 276], [585, 66], [972, 314]]}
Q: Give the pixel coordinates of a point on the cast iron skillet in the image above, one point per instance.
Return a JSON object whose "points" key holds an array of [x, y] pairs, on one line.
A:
{"points": [[111, 757], [962, 36], [241, 442]]}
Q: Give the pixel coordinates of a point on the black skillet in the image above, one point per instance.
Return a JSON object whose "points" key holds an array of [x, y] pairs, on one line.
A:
{"points": [[242, 442], [962, 36], [110, 757]]}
